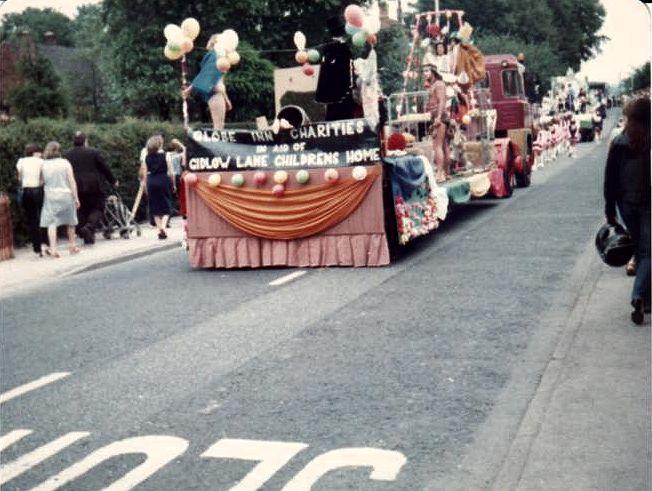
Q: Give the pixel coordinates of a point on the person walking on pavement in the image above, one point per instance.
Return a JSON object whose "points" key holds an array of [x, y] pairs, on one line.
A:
{"points": [[89, 167], [30, 176], [176, 154], [60, 201], [157, 170], [627, 188]]}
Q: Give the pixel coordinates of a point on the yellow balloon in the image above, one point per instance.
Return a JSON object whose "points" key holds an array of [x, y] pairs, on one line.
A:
{"points": [[233, 57], [172, 31], [190, 28], [172, 54], [223, 65], [214, 180]]}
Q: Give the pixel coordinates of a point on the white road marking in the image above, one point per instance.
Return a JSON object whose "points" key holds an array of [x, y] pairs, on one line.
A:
{"points": [[386, 465], [36, 384], [159, 449], [271, 455], [12, 437], [288, 277], [35, 457]]}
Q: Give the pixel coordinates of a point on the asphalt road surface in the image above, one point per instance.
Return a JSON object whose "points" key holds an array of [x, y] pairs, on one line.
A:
{"points": [[418, 373]]}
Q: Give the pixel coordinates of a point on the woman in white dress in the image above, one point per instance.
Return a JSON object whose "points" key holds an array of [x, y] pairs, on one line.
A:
{"points": [[60, 201]]}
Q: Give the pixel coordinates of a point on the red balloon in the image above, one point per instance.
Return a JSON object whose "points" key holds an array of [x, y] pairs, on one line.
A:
{"points": [[434, 30], [308, 70], [354, 15], [260, 178]]}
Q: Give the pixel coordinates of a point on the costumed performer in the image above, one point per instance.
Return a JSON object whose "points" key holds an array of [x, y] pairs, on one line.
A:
{"points": [[335, 83], [437, 108], [209, 84]]}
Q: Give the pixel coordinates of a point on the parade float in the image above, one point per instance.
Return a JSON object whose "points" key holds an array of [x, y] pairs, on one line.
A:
{"points": [[349, 190]]}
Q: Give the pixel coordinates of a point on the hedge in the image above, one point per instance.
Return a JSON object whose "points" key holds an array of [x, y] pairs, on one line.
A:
{"points": [[120, 144]]}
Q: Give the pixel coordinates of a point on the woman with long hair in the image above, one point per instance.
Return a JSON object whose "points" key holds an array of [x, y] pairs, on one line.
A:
{"points": [[60, 201], [627, 188]]}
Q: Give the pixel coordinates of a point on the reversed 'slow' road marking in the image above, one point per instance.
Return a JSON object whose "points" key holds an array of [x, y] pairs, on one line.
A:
{"points": [[287, 278], [22, 464], [36, 384]]}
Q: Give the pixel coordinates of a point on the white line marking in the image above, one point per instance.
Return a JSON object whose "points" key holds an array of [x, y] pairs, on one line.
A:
{"points": [[288, 277], [160, 450], [12, 437], [35, 457], [272, 456], [36, 384]]}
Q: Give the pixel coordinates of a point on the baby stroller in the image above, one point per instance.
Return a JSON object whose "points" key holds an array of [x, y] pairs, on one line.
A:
{"points": [[118, 218]]}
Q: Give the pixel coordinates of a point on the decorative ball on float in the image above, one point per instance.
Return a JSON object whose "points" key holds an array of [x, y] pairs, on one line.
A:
{"points": [[191, 179], [278, 190], [237, 180], [280, 177], [260, 178], [331, 175], [359, 173], [302, 176], [214, 180]]}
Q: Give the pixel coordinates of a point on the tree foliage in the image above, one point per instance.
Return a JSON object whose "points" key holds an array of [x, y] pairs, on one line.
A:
{"points": [[40, 94], [392, 52], [37, 22], [640, 79]]}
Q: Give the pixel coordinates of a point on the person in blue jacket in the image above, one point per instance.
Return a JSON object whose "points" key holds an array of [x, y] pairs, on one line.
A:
{"points": [[209, 84]]}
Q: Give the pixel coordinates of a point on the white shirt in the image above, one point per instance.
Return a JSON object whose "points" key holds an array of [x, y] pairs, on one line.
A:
{"points": [[30, 169]]}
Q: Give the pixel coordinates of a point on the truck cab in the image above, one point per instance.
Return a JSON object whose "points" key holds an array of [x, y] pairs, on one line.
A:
{"points": [[504, 78]]}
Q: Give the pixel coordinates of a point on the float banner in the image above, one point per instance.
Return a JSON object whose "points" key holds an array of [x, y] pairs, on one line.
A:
{"points": [[330, 144]]}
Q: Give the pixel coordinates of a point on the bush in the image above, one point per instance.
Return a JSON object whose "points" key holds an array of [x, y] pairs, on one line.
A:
{"points": [[120, 144]]}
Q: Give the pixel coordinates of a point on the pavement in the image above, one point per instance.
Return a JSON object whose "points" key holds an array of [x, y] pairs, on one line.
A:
{"points": [[27, 271], [496, 353]]}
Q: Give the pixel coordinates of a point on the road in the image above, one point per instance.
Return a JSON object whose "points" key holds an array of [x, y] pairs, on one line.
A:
{"points": [[423, 369]]}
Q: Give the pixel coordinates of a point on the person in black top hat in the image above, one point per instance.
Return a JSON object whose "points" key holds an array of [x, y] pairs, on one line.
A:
{"points": [[89, 168], [335, 83]]}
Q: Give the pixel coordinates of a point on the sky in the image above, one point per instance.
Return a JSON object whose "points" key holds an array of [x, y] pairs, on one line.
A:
{"points": [[627, 24]]}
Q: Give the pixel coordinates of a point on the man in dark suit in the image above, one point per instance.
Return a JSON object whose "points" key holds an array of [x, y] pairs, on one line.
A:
{"points": [[89, 167]]}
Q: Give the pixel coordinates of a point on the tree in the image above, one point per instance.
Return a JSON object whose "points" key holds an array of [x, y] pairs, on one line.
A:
{"points": [[37, 22], [40, 94], [392, 52], [638, 80]]}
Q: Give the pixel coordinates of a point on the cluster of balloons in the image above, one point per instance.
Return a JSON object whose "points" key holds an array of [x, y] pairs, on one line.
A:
{"points": [[180, 39], [225, 49], [305, 57], [362, 28]]}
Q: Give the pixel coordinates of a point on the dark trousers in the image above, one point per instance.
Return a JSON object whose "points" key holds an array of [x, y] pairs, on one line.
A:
{"points": [[637, 221], [90, 213], [32, 204]]}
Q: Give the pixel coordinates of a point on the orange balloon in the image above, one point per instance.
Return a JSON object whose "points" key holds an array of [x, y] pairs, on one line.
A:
{"points": [[301, 57], [372, 39]]}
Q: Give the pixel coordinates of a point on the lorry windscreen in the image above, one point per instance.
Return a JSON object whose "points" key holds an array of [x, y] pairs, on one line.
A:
{"points": [[513, 84]]}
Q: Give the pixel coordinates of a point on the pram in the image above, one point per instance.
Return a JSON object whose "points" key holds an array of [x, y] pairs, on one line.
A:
{"points": [[118, 218]]}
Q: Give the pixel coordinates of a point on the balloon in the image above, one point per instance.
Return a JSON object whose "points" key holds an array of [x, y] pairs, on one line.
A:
{"points": [[280, 177], [359, 173], [187, 45], [314, 56], [303, 176], [359, 38], [354, 15], [233, 57], [172, 54], [351, 30], [301, 57], [223, 65], [237, 180], [220, 52], [331, 175], [308, 70], [230, 40], [190, 28], [278, 190], [466, 119], [191, 179], [260, 178], [172, 31], [214, 180], [300, 40], [372, 39]]}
